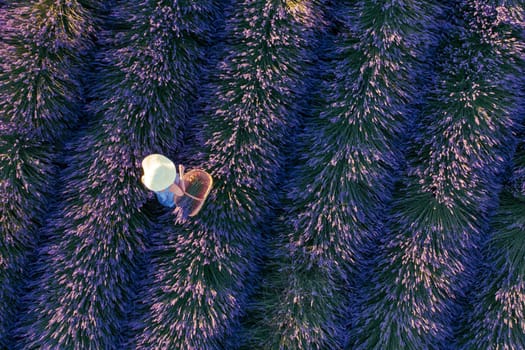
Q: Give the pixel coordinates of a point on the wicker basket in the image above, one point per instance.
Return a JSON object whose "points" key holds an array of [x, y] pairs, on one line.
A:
{"points": [[198, 185]]}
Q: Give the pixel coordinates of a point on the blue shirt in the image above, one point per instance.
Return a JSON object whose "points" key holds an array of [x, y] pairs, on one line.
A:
{"points": [[166, 198]]}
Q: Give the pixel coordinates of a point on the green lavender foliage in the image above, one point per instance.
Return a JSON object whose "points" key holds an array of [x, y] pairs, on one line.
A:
{"points": [[202, 268], [42, 50], [496, 319], [146, 77], [349, 153], [423, 267]]}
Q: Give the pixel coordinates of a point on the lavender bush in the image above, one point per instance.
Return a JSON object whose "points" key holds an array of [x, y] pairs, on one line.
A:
{"points": [[202, 268], [495, 317], [424, 263], [147, 79], [349, 154], [42, 50]]}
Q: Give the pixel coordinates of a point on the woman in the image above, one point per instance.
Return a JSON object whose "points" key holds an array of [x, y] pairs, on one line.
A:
{"points": [[188, 191]]}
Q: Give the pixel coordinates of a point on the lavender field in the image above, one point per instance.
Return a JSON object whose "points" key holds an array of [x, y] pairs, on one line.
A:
{"points": [[368, 164]]}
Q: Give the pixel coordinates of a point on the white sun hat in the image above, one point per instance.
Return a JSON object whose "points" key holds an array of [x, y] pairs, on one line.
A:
{"points": [[159, 172]]}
